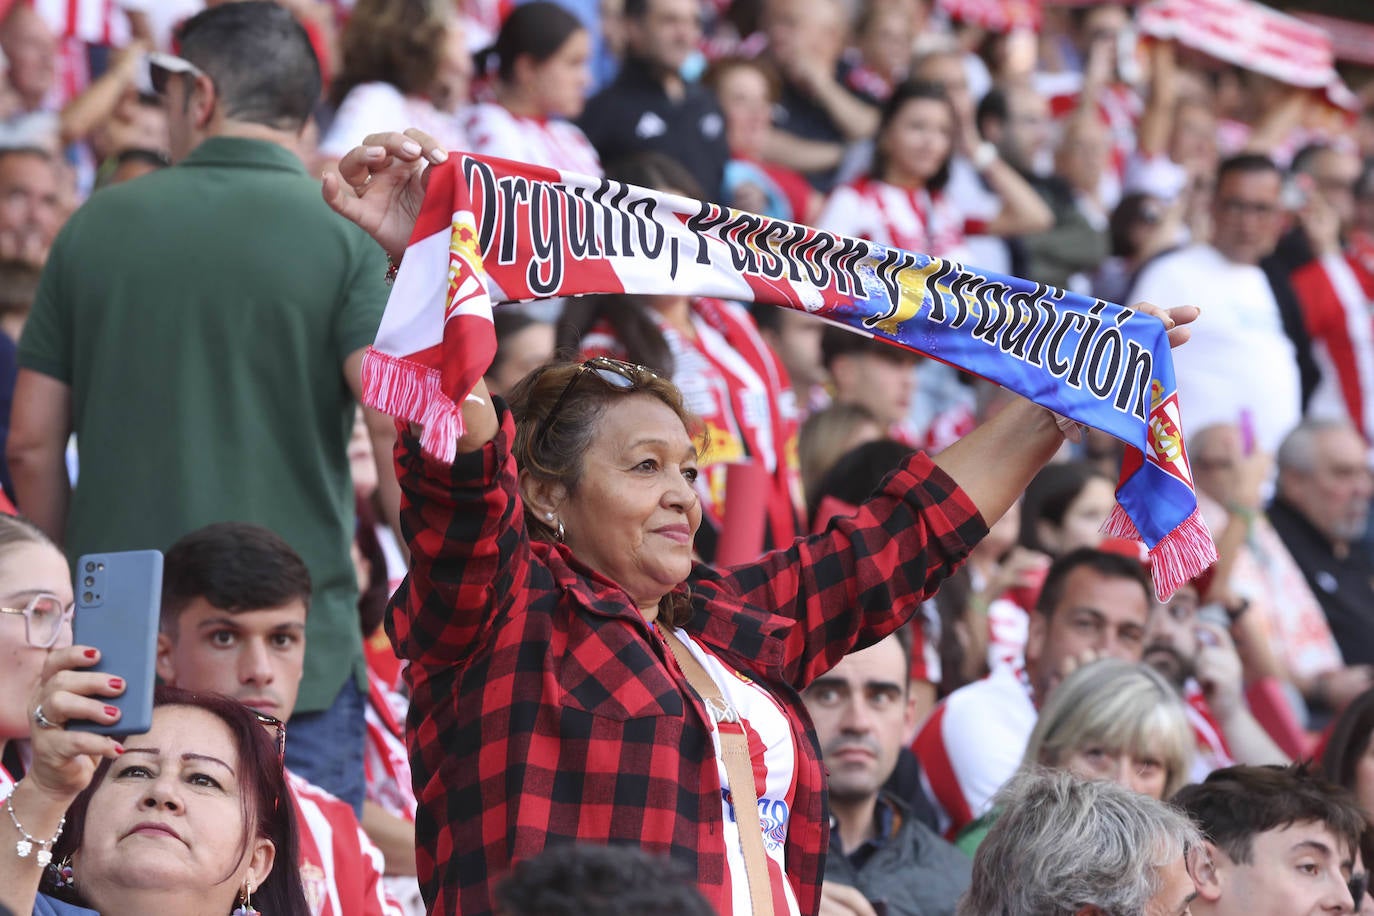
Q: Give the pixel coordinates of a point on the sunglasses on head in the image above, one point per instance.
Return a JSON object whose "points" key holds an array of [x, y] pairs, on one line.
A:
{"points": [[620, 375], [162, 67]]}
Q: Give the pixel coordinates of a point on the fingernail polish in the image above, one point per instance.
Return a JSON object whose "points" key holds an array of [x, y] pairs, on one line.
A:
{"points": [[90, 653], [439, 156], [117, 683], [119, 748], [410, 146], [111, 711]]}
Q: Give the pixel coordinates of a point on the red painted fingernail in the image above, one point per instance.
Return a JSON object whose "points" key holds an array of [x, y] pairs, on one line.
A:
{"points": [[119, 748], [90, 653], [116, 682], [111, 711]]}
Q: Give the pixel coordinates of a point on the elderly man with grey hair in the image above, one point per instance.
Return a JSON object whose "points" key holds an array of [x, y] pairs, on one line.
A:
{"points": [[1321, 511], [1070, 847]]}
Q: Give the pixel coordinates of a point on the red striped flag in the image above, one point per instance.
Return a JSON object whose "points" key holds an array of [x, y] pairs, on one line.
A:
{"points": [[1254, 36]]}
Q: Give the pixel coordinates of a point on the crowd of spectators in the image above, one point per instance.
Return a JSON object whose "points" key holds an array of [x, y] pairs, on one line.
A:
{"points": [[162, 244]]}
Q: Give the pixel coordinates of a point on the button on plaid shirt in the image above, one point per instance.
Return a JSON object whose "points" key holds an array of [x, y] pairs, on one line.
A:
{"points": [[544, 711]]}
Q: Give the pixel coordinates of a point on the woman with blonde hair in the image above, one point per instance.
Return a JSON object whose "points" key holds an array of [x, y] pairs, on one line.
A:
{"points": [[1109, 720]]}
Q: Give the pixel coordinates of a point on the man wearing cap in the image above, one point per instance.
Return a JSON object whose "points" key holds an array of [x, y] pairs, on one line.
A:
{"points": [[201, 330]]}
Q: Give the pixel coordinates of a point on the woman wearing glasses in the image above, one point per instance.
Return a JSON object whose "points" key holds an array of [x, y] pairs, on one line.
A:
{"points": [[191, 818], [576, 677], [35, 615]]}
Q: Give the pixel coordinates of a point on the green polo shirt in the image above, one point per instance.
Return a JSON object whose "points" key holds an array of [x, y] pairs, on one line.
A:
{"points": [[201, 316]]}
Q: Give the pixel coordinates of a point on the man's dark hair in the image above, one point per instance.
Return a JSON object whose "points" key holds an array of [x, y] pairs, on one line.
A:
{"points": [[260, 60], [236, 567], [993, 107], [1246, 163], [1104, 563], [575, 880], [1233, 805]]}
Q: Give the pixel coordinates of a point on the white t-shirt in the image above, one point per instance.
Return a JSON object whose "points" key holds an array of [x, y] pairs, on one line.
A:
{"points": [[770, 732], [1239, 357], [972, 744], [492, 130], [371, 108]]}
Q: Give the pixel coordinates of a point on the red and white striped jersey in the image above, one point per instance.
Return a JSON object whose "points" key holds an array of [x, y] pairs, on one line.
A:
{"points": [[493, 130], [972, 744], [913, 220], [1212, 750], [1335, 293], [341, 871]]}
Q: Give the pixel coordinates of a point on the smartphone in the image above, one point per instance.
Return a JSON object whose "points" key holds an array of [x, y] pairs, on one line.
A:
{"points": [[118, 603]]}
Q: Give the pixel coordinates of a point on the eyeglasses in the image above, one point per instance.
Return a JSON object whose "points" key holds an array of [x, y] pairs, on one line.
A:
{"points": [[45, 617], [619, 375], [162, 67], [279, 726]]}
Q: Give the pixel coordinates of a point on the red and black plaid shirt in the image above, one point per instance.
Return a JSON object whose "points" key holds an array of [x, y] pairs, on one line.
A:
{"points": [[543, 711]]}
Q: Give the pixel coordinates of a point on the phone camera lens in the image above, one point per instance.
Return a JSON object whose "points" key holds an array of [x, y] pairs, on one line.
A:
{"points": [[90, 567], [87, 596], [89, 581]]}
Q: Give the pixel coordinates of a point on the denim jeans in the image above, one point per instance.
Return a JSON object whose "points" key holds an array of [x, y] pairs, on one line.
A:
{"points": [[326, 748]]}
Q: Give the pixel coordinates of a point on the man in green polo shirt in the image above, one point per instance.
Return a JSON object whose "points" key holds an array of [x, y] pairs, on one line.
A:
{"points": [[201, 331]]}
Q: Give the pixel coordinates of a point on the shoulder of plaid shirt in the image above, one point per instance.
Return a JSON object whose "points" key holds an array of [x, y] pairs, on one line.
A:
{"points": [[341, 869], [544, 711]]}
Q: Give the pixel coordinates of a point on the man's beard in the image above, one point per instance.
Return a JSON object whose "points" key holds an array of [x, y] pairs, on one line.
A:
{"points": [[1169, 662]]}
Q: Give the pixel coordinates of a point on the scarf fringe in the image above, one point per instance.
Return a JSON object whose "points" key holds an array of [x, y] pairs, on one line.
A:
{"points": [[1178, 558], [412, 391]]}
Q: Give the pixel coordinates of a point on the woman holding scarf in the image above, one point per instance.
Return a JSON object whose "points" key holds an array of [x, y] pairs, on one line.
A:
{"points": [[577, 676]]}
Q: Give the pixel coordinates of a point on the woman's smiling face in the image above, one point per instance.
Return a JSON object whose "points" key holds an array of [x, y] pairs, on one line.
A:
{"points": [[634, 513]]}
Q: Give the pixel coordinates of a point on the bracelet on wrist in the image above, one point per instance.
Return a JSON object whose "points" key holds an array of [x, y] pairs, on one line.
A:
{"points": [[28, 842]]}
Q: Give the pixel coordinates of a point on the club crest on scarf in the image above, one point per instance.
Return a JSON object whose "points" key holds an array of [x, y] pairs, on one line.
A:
{"points": [[497, 231]]}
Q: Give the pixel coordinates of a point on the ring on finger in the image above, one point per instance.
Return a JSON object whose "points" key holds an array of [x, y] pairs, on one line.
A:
{"points": [[41, 720]]}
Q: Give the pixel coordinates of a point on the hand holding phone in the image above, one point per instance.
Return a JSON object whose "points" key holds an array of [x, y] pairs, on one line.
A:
{"points": [[118, 605]]}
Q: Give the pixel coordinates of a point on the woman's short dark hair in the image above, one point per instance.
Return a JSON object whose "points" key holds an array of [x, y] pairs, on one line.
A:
{"points": [[858, 473], [535, 30], [266, 803], [906, 92], [400, 42], [1050, 494]]}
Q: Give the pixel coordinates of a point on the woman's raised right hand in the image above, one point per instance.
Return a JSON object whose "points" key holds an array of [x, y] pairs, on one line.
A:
{"points": [[63, 760], [380, 185]]}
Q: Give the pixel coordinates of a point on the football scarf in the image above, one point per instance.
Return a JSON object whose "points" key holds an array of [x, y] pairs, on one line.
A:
{"points": [[493, 231]]}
